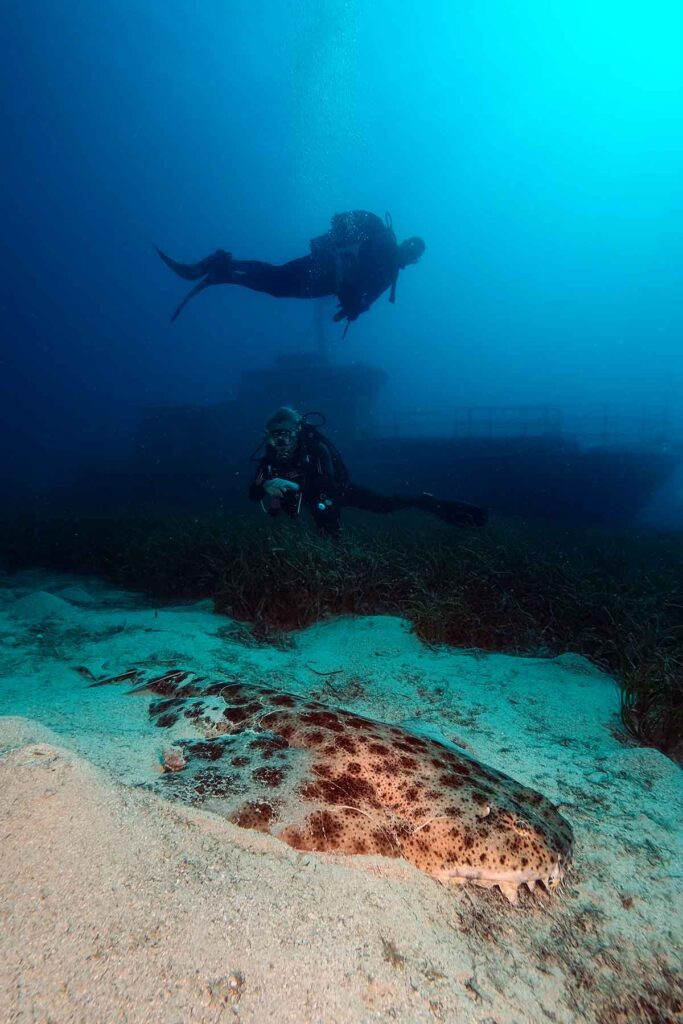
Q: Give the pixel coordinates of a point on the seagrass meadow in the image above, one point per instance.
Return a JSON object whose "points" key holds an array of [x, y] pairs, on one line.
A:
{"points": [[616, 598]]}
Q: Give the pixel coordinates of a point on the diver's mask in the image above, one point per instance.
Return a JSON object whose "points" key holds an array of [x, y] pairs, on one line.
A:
{"points": [[284, 441], [410, 251]]}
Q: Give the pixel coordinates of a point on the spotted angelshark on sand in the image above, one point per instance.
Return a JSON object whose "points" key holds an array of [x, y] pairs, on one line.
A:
{"points": [[323, 779]]}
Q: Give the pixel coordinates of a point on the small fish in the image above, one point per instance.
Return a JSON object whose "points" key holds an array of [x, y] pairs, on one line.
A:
{"points": [[84, 671]]}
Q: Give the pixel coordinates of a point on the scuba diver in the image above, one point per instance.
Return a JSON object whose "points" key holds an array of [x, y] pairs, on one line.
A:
{"points": [[301, 466], [357, 260]]}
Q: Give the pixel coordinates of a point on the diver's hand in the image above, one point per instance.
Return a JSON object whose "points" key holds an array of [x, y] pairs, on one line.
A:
{"points": [[344, 314], [278, 487]]}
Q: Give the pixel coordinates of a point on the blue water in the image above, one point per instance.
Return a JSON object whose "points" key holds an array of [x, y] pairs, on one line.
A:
{"points": [[537, 147]]}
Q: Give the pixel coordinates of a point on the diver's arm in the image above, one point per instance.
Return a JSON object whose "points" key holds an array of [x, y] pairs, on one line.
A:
{"points": [[373, 292], [379, 269], [357, 301], [274, 486], [350, 306]]}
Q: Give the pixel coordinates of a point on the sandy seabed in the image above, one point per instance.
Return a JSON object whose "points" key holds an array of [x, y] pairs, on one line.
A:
{"points": [[117, 906]]}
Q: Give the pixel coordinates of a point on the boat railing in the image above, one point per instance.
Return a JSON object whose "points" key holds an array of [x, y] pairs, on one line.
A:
{"points": [[604, 426]]}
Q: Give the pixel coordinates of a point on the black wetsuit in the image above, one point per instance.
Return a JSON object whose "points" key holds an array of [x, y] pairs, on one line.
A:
{"points": [[302, 278], [312, 467], [324, 488], [357, 260]]}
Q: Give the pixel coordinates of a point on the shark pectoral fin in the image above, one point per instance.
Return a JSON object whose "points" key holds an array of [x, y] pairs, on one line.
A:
{"points": [[190, 295], [188, 271], [509, 890]]}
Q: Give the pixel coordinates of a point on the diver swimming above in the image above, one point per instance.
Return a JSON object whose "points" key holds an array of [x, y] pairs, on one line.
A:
{"points": [[357, 260], [301, 466]]}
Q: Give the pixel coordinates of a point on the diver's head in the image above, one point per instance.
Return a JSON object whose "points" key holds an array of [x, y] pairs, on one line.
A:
{"points": [[283, 430], [410, 251]]}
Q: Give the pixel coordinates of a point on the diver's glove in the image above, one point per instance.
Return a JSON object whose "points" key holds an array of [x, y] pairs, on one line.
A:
{"points": [[277, 487], [349, 311]]}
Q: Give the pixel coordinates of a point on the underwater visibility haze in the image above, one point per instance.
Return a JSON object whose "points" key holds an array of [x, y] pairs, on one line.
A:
{"points": [[536, 147], [341, 616]]}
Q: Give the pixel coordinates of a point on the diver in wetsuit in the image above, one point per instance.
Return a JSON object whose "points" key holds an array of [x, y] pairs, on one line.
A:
{"points": [[357, 260], [301, 466]]}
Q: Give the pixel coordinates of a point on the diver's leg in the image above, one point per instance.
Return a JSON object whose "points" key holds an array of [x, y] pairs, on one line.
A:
{"points": [[457, 513], [302, 278], [362, 497]]}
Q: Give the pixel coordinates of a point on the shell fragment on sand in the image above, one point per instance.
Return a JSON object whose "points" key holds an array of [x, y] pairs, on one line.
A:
{"points": [[325, 779]]}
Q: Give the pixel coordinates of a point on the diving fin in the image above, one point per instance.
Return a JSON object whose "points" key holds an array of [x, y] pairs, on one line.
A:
{"points": [[190, 295], [188, 271], [217, 266], [460, 513], [215, 269], [456, 513]]}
